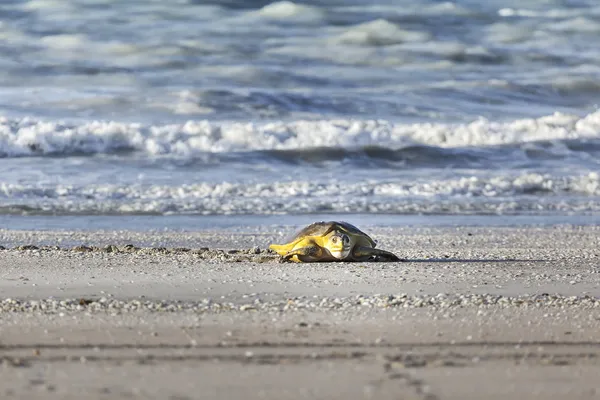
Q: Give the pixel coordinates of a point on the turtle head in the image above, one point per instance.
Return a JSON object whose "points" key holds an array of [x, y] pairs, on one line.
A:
{"points": [[339, 245]]}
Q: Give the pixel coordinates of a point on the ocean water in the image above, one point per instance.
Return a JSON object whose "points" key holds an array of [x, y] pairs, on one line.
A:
{"points": [[399, 109]]}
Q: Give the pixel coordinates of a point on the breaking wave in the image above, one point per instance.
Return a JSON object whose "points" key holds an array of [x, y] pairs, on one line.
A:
{"points": [[557, 135], [499, 194]]}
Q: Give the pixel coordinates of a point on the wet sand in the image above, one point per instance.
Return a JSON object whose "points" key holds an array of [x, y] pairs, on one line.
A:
{"points": [[472, 313]]}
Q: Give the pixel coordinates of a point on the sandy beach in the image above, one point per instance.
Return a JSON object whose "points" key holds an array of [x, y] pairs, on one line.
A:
{"points": [[474, 312], [150, 152]]}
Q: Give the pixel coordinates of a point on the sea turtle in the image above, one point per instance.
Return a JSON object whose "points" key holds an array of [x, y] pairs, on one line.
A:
{"points": [[331, 241]]}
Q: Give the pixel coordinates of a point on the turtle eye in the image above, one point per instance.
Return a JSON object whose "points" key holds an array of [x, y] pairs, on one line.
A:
{"points": [[334, 239]]}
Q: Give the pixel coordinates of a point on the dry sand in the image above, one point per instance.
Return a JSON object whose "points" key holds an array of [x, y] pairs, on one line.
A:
{"points": [[474, 313]]}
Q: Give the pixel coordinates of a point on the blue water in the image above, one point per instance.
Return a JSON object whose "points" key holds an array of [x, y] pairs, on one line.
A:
{"points": [[267, 223], [162, 110]]}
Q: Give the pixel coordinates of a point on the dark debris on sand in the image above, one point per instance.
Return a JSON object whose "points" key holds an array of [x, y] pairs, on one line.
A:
{"points": [[254, 254]]}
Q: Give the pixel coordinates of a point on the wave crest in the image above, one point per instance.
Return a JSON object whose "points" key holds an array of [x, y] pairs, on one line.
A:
{"points": [[30, 137]]}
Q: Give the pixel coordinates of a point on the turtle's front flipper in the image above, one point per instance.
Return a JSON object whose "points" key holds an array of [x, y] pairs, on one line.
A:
{"points": [[303, 254], [282, 249], [363, 253]]}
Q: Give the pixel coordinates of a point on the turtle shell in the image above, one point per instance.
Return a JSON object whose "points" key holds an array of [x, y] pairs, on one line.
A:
{"points": [[322, 228]]}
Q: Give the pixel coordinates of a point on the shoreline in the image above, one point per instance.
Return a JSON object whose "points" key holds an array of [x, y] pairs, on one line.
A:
{"points": [[268, 222]]}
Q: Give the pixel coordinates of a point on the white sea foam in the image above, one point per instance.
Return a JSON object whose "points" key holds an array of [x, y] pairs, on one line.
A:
{"points": [[579, 24], [468, 194], [290, 11], [46, 5], [379, 33], [65, 41], [544, 13], [25, 137], [503, 32], [411, 9]]}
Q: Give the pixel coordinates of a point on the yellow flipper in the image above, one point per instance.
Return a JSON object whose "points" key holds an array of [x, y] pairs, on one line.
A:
{"points": [[282, 249], [285, 249]]}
